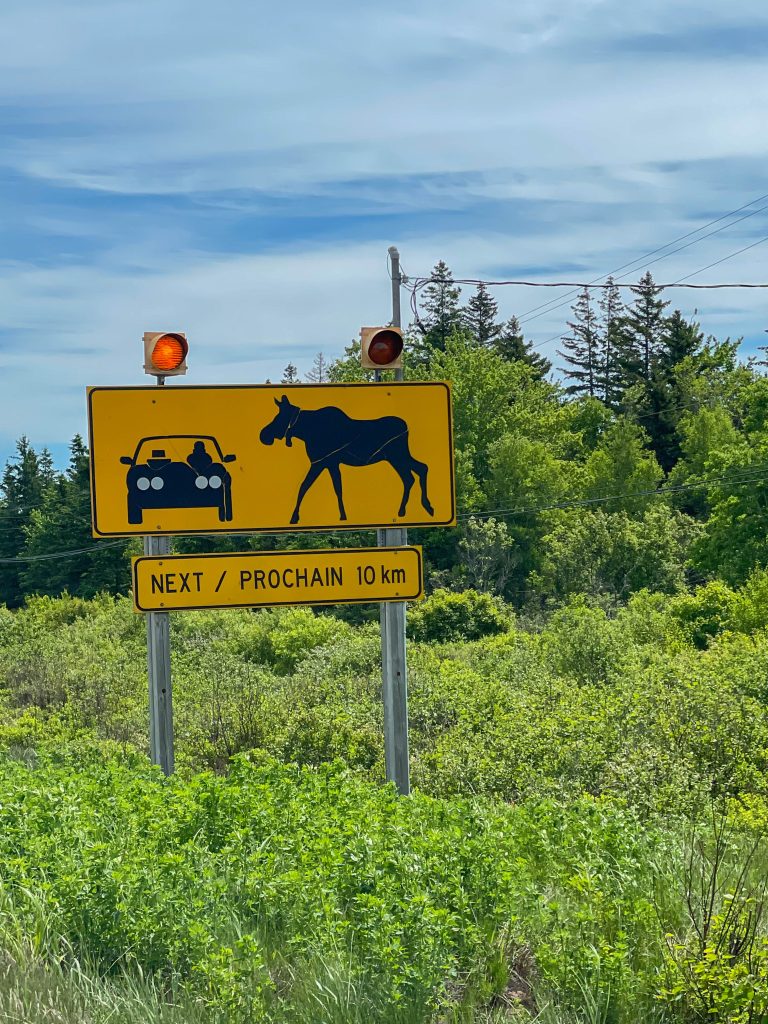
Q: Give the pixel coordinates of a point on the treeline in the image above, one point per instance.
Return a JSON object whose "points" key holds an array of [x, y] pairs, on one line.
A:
{"points": [[44, 513], [645, 467]]}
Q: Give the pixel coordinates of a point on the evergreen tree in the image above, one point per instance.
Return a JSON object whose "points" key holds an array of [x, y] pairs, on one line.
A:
{"points": [[662, 402], [644, 326], [290, 375], [319, 372], [583, 349], [24, 481], [512, 347], [441, 315], [681, 338], [480, 314], [62, 523], [611, 327]]}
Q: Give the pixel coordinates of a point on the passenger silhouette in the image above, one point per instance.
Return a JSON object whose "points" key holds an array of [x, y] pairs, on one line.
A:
{"points": [[199, 459]]}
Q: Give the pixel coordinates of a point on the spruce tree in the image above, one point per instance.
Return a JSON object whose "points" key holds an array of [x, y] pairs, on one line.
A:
{"points": [[681, 338], [512, 347], [440, 313], [644, 327], [62, 523], [611, 329], [662, 403], [22, 486], [479, 316], [290, 375], [583, 349]]}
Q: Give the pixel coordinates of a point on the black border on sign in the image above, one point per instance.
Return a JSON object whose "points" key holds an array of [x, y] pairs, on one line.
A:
{"points": [[271, 554], [392, 524]]}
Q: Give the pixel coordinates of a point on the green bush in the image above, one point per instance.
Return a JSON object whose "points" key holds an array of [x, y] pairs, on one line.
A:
{"points": [[583, 644], [467, 615], [705, 613], [712, 982]]}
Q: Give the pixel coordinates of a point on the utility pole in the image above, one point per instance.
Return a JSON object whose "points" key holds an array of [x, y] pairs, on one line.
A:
{"points": [[392, 617], [159, 669]]}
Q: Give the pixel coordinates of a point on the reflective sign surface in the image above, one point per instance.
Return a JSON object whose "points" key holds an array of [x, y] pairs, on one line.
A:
{"points": [[260, 579], [270, 458]]}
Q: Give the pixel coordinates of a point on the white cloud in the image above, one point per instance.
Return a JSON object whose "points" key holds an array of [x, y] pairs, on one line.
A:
{"points": [[144, 97]]}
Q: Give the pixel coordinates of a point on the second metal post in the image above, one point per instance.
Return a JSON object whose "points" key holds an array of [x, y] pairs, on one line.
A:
{"points": [[159, 672], [392, 617]]}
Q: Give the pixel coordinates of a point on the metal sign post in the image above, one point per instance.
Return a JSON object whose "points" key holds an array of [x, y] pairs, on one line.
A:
{"points": [[394, 671], [159, 669]]}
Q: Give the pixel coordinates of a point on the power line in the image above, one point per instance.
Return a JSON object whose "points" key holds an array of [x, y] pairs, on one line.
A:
{"points": [[585, 502], [744, 478], [679, 284], [421, 281], [639, 259], [553, 304], [92, 549], [501, 513]]}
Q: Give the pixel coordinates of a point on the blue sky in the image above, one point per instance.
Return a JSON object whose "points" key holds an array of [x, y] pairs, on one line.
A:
{"points": [[238, 171]]}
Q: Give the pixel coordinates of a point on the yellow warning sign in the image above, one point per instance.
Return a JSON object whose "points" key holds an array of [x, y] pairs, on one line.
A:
{"points": [[260, 579], [263, 458]]}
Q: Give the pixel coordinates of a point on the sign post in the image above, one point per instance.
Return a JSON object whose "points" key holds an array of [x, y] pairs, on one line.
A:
{"points": [[161, 749], [394, 670], [159, 671]]}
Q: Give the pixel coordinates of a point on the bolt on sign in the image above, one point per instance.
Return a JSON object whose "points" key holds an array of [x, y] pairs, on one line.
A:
{"points": [[266, 458], [264, 579]]}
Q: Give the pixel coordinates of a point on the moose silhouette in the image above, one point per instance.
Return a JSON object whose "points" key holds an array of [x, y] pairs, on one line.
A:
{"points": [[333, 439]]}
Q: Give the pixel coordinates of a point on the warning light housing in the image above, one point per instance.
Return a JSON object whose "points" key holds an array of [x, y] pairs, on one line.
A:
{"points": [[381, 348], [165, 353]]}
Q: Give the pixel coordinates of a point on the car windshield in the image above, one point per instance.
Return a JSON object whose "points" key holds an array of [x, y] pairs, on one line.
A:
{"points": [[178, 449]]}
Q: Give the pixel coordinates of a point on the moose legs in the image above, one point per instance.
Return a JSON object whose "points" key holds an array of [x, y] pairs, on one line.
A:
{"points": [[421, 469], [405, 471], [336, 478], [313, 473], [401, 461]]}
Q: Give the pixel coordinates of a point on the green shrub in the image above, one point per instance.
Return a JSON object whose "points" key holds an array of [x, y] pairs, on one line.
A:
{"points": [[467, 615], [711, 982], [750, 611], [706, 612], [582, 643]]}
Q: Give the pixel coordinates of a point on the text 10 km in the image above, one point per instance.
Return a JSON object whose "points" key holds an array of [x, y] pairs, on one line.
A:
{"points": [[367, 574]]}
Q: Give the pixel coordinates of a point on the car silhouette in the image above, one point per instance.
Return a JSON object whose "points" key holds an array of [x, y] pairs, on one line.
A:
{"points": [[178, 471]]}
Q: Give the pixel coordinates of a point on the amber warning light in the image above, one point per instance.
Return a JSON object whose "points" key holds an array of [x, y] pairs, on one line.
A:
{"points": [[165, 355], [381, 348]]}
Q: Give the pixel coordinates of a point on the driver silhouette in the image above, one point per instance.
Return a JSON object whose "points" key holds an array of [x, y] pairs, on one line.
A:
{"points": [[199, 459]]}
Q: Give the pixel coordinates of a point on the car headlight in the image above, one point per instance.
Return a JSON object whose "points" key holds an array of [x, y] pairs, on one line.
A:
{"points": [[143, 483], [157, 483], [214, 481], [201, 482]]}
